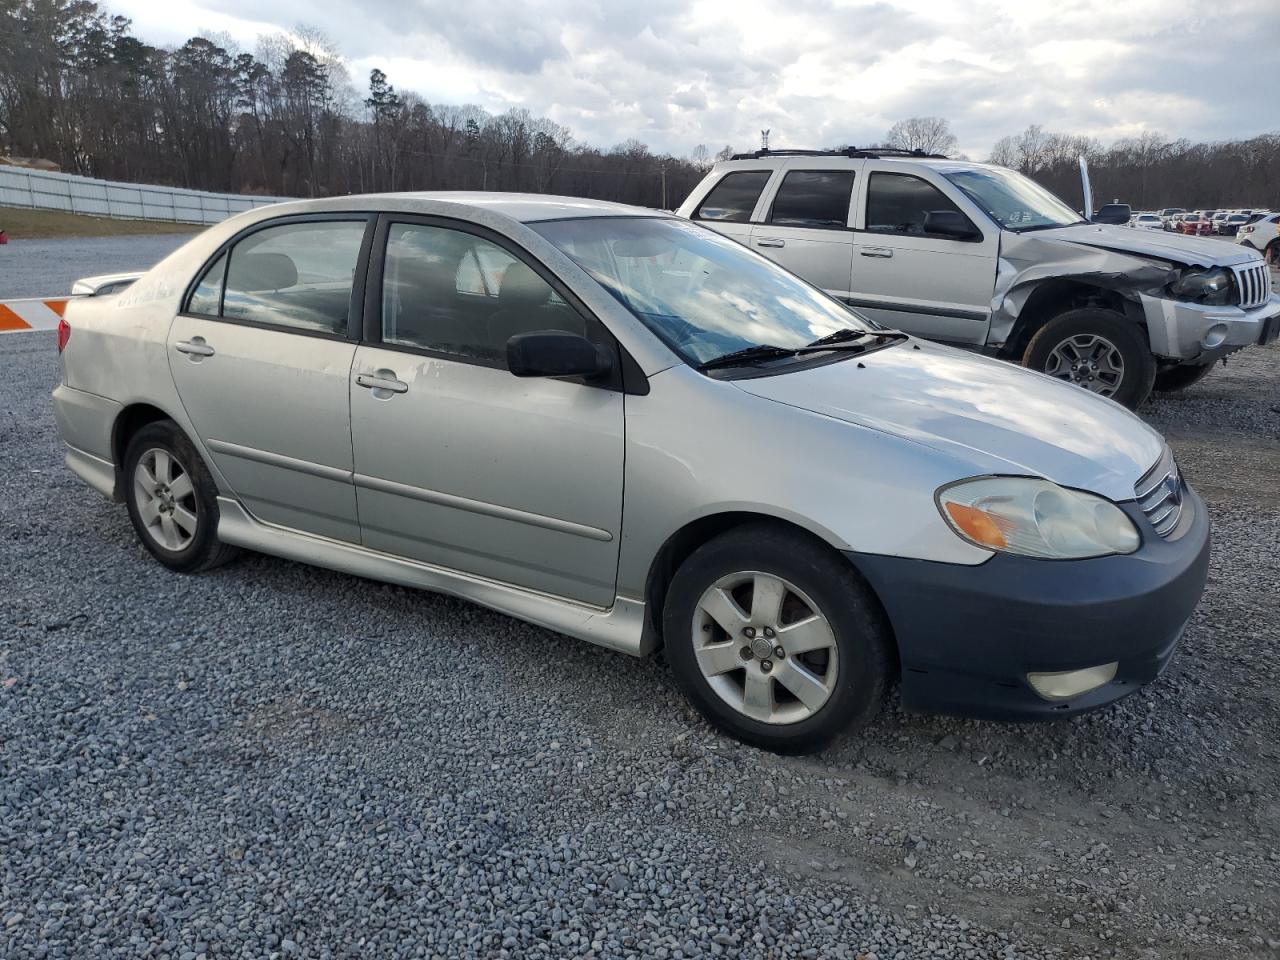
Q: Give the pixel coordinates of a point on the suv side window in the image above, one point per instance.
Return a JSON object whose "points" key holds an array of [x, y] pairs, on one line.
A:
{"points": [[734, 197], [813, 198], [296, 275], [451, 292], [899, 203]]}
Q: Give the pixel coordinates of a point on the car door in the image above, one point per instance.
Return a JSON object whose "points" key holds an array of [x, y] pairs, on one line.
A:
{"points": [[807, 222], [914, 278], [730, 206], [261, 358], [459, 463]]}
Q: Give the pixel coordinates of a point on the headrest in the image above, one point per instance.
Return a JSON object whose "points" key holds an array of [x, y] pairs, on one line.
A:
{"points": [[522, 289], [255, 272]]}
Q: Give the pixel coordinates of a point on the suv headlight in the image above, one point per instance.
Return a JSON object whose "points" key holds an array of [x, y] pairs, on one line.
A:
{"points": [[1210, 286], [1036, 518]]}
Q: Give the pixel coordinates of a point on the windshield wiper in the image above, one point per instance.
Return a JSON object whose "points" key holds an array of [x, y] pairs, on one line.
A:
{"points": [[759, 351], [832, 341], [846, 334]]}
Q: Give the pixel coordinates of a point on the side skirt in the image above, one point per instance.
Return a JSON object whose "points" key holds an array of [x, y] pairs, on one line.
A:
{"points": [[620, 627]]}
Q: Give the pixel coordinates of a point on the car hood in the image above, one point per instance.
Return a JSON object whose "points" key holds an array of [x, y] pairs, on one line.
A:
{"points": [[996, 417], [1174, 247]]}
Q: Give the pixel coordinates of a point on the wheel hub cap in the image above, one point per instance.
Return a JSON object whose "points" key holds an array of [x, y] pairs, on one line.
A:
{"points": [[1088, 361], [166, 500]]}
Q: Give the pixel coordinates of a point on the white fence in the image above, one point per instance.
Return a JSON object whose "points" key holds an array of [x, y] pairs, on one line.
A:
{"points": [[20, 187]]}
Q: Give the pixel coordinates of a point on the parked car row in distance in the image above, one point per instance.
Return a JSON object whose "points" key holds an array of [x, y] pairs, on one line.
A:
{"points": [[1202, 223]]}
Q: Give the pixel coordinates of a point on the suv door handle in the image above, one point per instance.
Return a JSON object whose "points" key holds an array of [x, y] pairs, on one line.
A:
{"points": [[194, 348], [771, 242], [876, 252], [382, 380]]}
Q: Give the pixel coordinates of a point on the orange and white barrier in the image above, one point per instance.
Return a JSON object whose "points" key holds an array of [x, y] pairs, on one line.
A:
{"points": [[18, 315]]}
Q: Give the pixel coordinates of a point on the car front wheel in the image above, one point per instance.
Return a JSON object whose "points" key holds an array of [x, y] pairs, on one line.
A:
{"points": [[775, 639], [172, 500], [1098, 349]]}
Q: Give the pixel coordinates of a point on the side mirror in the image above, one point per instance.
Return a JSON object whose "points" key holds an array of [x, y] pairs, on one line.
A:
{"points": [[1117, 213], [951, 225], [556, 353]]}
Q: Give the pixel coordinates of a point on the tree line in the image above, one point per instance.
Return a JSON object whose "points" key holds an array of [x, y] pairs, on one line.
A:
{"points": [[79, 89]]}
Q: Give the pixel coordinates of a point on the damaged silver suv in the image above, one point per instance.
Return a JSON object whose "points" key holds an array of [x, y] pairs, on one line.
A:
{"points": [[982, 257]]}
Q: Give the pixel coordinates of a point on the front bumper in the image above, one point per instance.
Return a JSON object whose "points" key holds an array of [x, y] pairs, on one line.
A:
{"points": [[1193, 331], [968, 636]]}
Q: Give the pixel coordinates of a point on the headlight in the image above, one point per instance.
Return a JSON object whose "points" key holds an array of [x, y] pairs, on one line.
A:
{"points": [[1211, 286], [1247, 228], [1036, 518]]}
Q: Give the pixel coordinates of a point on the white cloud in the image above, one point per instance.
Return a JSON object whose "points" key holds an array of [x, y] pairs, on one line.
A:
{"points": [[676, 73]]}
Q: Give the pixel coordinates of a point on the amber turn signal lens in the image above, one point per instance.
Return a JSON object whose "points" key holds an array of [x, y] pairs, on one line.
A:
{"points": [[976, 524]]}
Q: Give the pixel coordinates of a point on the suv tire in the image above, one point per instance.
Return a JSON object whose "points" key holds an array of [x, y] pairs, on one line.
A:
{"points": [[1181, 376], [172, 500], [801, 619], [1108, 340]]}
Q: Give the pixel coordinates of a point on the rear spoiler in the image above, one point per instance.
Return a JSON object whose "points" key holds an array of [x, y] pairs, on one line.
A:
{"points": [[103, 285]]}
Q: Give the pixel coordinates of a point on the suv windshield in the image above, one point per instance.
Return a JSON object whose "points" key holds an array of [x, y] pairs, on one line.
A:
{"points": [[702, 294], [1012, 200]]}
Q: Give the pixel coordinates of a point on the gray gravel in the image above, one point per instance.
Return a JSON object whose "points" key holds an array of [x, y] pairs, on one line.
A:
{"points": [[48, 268], [275, 760]]}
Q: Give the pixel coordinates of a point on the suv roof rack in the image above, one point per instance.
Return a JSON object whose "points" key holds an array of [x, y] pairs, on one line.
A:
{"points": [[856, 153]]}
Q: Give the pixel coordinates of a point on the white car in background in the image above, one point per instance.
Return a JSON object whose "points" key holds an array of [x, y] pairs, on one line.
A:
{"points": [[1147, 221], [1263, 235]]}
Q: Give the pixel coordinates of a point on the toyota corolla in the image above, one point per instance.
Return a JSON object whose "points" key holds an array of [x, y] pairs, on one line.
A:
{"points": [[626, 428]]}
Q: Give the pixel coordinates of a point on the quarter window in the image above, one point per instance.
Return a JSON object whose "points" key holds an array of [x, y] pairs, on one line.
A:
{"points": [[452, 292], [296, 275], [900, 203], [733, 198], [813, 198]]}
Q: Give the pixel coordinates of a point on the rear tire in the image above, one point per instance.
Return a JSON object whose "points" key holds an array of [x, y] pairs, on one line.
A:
{"points": [[1181, 376], [172, 500], [1123, 367], [776, 588]]}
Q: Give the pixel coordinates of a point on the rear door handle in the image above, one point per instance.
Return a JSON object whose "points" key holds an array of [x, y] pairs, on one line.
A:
{"points": [[384, 380], [876, 252], [771, 242], [195, 347]]}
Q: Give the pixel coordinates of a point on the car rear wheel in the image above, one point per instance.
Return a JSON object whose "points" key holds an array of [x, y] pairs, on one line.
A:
{"points": [[1098, 349], [1181, 376], [775, 639], [172, 500]]}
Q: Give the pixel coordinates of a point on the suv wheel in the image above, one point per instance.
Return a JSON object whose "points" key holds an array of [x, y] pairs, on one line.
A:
{"points": [[1181, 376], [1098, 349], [775, 639], [172, 500]]}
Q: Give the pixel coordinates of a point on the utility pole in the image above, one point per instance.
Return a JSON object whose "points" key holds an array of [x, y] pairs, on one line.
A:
{"points": [[663, 168]]}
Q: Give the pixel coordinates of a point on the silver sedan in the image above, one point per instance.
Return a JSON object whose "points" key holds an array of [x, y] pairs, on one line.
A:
{"points": [[621, 426]]}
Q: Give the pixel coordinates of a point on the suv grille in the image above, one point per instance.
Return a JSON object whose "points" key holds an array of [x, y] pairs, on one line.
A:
{"points": [[1253, 280], [1160, 493]]}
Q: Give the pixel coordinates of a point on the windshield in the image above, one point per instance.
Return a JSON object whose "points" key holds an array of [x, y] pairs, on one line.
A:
{"points": [[1012, 200], [702, 294]]}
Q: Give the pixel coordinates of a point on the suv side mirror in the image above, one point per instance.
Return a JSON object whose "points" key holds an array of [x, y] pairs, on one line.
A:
{"points": [[556, 353], [1118, 213], [951, 225]]}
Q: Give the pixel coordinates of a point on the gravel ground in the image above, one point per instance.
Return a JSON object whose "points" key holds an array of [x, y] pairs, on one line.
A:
{"points": [[47, 268], [275, 760]]}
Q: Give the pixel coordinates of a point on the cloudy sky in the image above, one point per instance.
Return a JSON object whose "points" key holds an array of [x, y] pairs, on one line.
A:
{"points": [[677, 73]]}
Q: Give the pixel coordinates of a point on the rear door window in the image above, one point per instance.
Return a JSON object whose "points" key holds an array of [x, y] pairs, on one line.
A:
{"points": [[813, 198], [733, 198]]}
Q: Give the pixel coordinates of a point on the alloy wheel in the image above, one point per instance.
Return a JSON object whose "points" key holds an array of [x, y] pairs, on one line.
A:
{"points": [[765, 648], [166, 499], [1088, 361]]}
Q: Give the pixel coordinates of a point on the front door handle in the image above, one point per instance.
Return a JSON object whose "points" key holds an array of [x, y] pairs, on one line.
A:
{"points": [[383, 383], [876, 252], [195, 348], [771, 242]]}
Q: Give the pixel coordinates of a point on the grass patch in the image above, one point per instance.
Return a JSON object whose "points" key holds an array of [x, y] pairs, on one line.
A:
{"points": [[23, 224]]}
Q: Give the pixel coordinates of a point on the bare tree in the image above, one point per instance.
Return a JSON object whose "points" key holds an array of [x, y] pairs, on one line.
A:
{"points": [[929, 134]]}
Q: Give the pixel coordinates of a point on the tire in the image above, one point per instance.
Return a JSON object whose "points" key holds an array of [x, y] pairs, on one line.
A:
{"points": [[1181, 376], [176, 521], [845, 652], [1095, 332]]}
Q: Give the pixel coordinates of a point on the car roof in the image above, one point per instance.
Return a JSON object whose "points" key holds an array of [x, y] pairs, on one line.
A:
{"points": [[523, 207]]}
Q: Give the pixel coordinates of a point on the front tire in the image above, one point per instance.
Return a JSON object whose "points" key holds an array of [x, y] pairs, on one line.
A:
{"points": [[1181, 376], [172, 500], [775, 639], [1098, 349]]}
